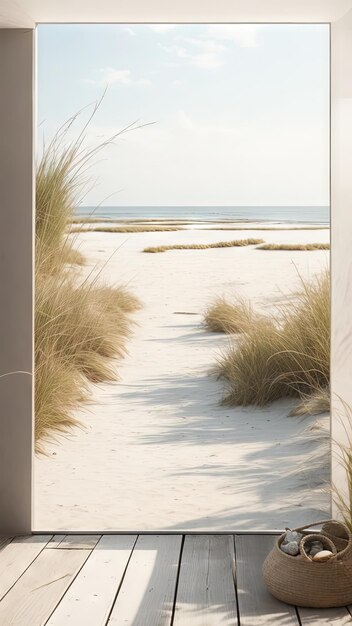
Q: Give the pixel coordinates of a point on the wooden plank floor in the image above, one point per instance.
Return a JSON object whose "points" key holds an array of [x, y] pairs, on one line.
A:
{"points": [[146, 580]]}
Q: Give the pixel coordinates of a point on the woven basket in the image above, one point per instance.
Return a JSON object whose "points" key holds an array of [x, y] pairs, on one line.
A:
{"points": [[299, 580]]}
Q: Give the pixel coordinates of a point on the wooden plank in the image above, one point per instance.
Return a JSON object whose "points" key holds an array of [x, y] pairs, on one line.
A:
{"points": [[55, 541], [257, 606], [90, 597], [325, 617], [79, 542], [206, 592], [36, 594], [148, 589], [16, 556]]}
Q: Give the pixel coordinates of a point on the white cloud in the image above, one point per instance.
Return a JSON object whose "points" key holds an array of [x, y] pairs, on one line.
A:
{"points": [[244, 35], [185, 122], [162, 28], [129, 31], [205, 44], [205, 54], [111, 75], [206, 60]]}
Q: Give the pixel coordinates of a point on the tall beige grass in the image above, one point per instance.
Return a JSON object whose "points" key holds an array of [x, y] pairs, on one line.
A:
{"points": [[205, 246], [294, 246], [226, 317], [316, 403], [109, 220], [239, 227], [283, 357], [124, 229], [81, 326], [343, 456]]}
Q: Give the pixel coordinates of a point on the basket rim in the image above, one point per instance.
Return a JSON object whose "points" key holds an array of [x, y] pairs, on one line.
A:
{"points": [[299, 556]]}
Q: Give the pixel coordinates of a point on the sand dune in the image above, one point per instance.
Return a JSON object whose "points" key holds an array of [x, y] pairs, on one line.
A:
{"points": [[158, 450]]}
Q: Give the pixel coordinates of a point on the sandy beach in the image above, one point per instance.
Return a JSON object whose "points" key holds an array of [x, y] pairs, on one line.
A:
{"points": [[157, 450]]}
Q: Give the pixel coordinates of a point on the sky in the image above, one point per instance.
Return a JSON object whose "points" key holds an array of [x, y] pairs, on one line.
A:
{"points": [[228, 115]]}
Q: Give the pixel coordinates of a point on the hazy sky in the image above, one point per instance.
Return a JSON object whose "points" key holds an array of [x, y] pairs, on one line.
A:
{"points": [[241, 112]]}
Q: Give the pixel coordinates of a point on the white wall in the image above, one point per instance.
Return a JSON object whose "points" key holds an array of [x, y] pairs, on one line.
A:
{"points": [[341, 189], [16, 333], [26, 12], [16, 209]]}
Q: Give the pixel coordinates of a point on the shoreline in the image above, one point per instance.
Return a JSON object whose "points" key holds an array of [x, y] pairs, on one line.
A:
{"points": [[239, 214]]}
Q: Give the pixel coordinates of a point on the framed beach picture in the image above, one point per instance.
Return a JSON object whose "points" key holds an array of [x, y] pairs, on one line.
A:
{"points": [[182, 276]]}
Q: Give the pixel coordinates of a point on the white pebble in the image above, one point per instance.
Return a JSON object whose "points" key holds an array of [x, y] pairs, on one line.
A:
{"points": [[322, 556]]}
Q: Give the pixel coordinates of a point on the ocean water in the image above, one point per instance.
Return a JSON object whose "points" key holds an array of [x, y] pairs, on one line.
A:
{"points": [[305, 214]]}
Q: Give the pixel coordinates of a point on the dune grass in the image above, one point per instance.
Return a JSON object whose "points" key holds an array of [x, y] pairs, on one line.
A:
{"points": [[91, 220], [268, 228], [315, 403], [294, 246], [226, 317], [205, 246], [81, 325], [284, 357], [109, 220], [74, 257], [344, 502], [125, 229], [342, 451]]}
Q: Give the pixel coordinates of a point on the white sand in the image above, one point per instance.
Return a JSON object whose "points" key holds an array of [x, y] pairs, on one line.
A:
{"points": [[158, 450]]}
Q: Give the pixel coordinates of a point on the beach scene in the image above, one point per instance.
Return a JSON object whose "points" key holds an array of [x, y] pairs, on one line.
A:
{"points": [[183, 325]]}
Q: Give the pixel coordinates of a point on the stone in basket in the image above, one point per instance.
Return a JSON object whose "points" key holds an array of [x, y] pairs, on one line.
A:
{"points": [[305, 582]]}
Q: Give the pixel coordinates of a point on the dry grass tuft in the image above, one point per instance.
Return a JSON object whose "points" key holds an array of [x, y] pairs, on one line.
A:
{"points": [[280, 358], [74, 257], [59, 390], [125, 229], [224, 317], [117, 298], [316, 403], [343, 455], [206, 246], [295, 246], [268, 228], [80, 326], [109, 220], [87, 325], [91, 220]]}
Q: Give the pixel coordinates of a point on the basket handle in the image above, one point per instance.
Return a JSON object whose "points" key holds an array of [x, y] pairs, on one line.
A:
{"points": [[343, 553], [314, 524], [315, 537]]}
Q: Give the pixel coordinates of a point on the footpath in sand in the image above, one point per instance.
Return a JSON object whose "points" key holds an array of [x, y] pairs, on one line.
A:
{"points": [[158, 451]]}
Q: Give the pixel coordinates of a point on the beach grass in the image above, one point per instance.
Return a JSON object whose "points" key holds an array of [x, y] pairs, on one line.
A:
{"points": [[110, 220], [342, 451], [91, 220], [315, 403], [294, 246], [125, 229], [74, 257], [81, 325], [268, 228], [225, 317], [286, 356], [205, 246]]}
